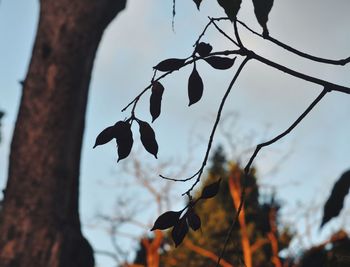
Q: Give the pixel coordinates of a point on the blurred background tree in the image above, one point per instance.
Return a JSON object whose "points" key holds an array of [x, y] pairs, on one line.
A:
{"points": [[260, 236], [257, 236]]}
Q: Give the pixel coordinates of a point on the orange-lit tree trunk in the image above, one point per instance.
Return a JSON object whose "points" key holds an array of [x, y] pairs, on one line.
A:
{"points": [[235, 191], [40, 224], [272, 236], [152, 248]]}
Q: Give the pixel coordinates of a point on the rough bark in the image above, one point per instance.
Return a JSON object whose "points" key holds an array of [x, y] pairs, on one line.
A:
{"points": [[40, 222]]}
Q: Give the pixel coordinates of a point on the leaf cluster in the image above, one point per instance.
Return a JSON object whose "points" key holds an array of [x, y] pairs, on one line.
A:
{"points": [[121, 132], [181, 221], [262, 9], [218, 213]]}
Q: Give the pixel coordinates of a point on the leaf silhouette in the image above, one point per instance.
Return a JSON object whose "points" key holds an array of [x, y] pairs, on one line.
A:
{"points": [[203, 49], [231, 7], [195, 87], [170, 64], [211, 190], [156, 99], [262, 9], [166, 220], [198, 3], [193, 219], [335, 201], [124, 138], [179, 231], [220, 63], [105, 136], [148, 138]]}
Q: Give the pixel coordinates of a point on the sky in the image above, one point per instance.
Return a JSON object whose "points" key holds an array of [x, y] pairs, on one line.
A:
{"points": [[302, 167]]}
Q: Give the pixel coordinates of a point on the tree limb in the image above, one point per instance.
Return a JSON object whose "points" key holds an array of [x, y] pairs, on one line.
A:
{"points": [[205, 253]]}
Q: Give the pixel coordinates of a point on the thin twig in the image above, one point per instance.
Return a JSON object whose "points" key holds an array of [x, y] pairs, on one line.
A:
{"points": [[287, 131], [237, 34], [295, 51], [222, 32], [218, 116], [179, 180], [246, 52], [202, 34], [173, 17], [250, 162]]}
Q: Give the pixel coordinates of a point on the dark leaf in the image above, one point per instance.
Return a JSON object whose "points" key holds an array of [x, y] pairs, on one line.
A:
{"points": [[262, 9], [166, 220], [156, 99], [220, 63], [203, 49], [179, 231], [198, 3], [170, 64], [105, 136], [231, 7], [148, 138], [193, 219], [211, 190], [335, 201], [124, 138], [195, 87]]}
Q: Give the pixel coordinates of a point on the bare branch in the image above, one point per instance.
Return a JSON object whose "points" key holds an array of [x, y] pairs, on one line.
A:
{"points": [[205, 253], [287, 131], [330, 86], [218, 116], [222, 32], [250, 162], [295, 51]]}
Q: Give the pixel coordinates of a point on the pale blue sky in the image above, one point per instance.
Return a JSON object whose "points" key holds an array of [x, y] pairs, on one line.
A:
{"points": [[141, 36]]}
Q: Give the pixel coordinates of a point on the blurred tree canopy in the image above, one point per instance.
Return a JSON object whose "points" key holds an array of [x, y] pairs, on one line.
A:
{"points": [[260, 220]]}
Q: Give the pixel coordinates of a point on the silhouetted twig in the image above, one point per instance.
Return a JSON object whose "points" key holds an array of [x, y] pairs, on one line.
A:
{"points": [[250, 162], [190, 61], [295, 51], [210, 141]]}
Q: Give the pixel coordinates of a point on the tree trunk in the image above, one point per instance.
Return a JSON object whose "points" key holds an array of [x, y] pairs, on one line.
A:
{"points": [[235, 191], [40, 222]]}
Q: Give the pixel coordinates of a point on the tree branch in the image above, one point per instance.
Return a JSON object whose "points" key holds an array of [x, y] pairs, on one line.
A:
{"points": [[205, 253], [220, 53], [330, 86], [295, 51], [246, 52], [221, 31], [217, 120], [287, 131], [250, 162]]}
